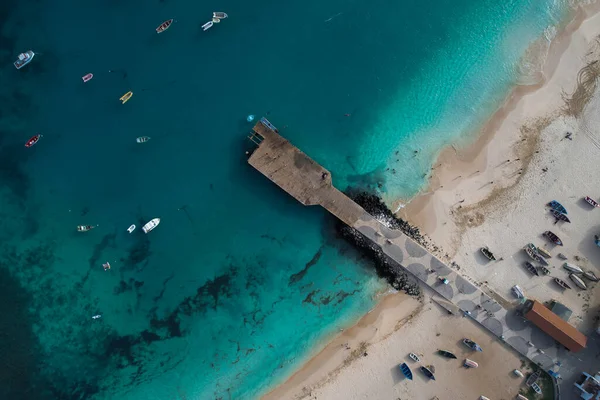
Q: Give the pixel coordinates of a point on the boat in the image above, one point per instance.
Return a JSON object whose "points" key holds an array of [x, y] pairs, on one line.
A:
{"points": [[427, 373], [131, 228], [406, 371], [207, 25], [164, 26], [572, 268], [518, 373], [446, 354], [84, 228], [531, 268], [414, 357], [578, 281], [545, 271], [591, 276], [518, 291], [125, 98], [521, 397], [532, 252], [96, 316], [482, 397], [562, 256], [106, 266], [553, 238], [555, 205], [33, 140], [87, 77], [153, 223], [533, 377], [597, 240], [472, 345], [536, 388], [23, 59], [559, 216], [591, 201], [562, 283], [470, 364], [143, 139], [543, 252], [488, 254], [220, 15]]}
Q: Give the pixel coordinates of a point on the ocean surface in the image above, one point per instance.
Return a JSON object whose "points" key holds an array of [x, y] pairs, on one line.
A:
{"points": [[239, 284]]}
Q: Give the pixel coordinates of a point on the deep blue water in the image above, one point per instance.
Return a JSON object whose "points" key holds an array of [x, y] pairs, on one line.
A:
{"points": [[239, 283]]}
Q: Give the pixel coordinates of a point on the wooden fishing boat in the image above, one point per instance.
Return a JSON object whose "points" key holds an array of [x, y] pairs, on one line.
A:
{"points": [[487, 253], [533, 378], [545, 271], [536, 388], [125, 98], [518, 291], [414, 357], [87, 77], [531, 268], [559, 216], [553, 238], [578, 281], [446, 354], [531, 252], [33, 140], [572, 268], [472, 345], [555, 205], [164, 26], [543, 252], [406, 371], [84, 228], [591, 201], [591, 276], [470, 364], [427, 373], [153, 223], [562, 283], [143, 139]]}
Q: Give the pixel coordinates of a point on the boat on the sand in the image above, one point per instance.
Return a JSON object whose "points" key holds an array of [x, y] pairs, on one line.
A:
{"points": [[590, 275], [562, 256], [561, 283], [559, 216], [533, 378], [543, 252], [545, 271], [597, 240], [153, 223], [520, 396], [518, 373], [164, 26], [482, 397], [578, 281], [518, 291], [84, 228], [591, 201], [470, 364], [414, 357], [531, 268], [23, 59], [406, 371], [472, 345], [487, 253], [207, 25], [33, 140], [572, 268], [427, 372], [531, 251], [143, 139], [553, 238], [555, 205], [446, 354]]}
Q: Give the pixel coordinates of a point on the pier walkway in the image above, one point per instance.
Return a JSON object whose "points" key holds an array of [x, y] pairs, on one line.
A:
{"points": [[310, 184]]}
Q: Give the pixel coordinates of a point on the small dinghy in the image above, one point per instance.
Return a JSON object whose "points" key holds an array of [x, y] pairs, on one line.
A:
{"points": [[591, 201], [531, 268], [559, 216], [488, 254], [578, 281], [536, 388], [219, 15], [23, 59], [553, 238], [427, 372], [591, 276], [545, 271], [446, 354], [543, 252], [470, 364], [406, 371], [562, 283], [33, 140], [518, 291], [153, 223], [518, 373], [87, 77], [572, 268], [125, 98], [143, 139], [131, 228], [106, 266], [207, 25], [472, 345], [84, 228], [555, 205], [414, 357], [164, 26]]}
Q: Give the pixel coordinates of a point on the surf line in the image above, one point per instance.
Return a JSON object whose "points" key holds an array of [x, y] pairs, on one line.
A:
{"points": [[336, 15]]}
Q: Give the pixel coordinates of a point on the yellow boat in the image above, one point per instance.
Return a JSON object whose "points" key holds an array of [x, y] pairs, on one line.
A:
{"points": [[126, 97]]}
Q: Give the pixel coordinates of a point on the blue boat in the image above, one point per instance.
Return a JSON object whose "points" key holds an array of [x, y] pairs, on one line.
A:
{"points": [[555, 205], [406, 371]]}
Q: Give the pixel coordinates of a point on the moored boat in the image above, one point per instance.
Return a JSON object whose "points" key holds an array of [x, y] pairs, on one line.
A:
{"points": [[207, 25], [143, 139], [572, 268], [591, 201], [543, 252], [591, 276], [545, 271], [559, 216], [220, 15], [472, 345], [488, 254], [23, 59], [562, 283], [414, 357], [125, 98], [553, 238], [531, 268], [555, 205], [153, 223], [518, 291], [87, 77], [446, 354], [406, 371], [470, 364], [536, 388], [533, 377], [131, 228], [106, 266], [164, 26], [33, 140], [84, 228], [578, 281], [427, 373]]}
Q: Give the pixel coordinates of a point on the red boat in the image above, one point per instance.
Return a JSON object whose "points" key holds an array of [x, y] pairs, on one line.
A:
{"points": [[164, 26], [33, 140], [87, 77]]}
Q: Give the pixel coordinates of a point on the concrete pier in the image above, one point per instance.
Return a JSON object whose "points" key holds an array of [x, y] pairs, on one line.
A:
{"points": [[310, 184]]}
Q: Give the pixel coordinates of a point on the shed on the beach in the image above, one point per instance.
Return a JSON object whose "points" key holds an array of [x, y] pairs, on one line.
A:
{"points": [[559, 329]]}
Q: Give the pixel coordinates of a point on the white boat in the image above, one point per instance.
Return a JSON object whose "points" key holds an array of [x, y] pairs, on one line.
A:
{"points": [[521, 397], [84, 228], [24, 59], [153, 223], [572, 268], [143, 139], [220, 15], [483, 398], [578, 281], [106, 266], [518, 373], [470, 364], [536, 388], [207, 25], [96, 316], [414, 357], [131, 228], [518, 292], [591, 276]]}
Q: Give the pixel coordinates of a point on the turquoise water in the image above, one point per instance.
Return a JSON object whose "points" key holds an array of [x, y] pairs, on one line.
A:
{"points": [[239, 283]]}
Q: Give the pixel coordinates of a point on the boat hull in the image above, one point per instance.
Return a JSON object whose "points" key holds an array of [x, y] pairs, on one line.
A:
{"points": [[21, 63], [164, 26], [578, 281], [150, 225], [33, 140]]}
